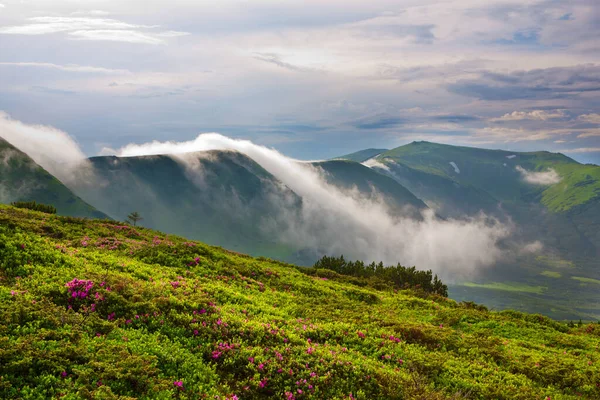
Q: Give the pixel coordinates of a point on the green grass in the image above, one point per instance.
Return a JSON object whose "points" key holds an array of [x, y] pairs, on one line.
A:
{"points": [[579, 184], [159, 311], [555, 262], [586, 280], [551, 274], [508, 286]]}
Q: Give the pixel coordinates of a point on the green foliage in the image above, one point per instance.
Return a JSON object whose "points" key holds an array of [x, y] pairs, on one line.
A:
{"points": [[401, 277], [97, 310], [32, 205]]}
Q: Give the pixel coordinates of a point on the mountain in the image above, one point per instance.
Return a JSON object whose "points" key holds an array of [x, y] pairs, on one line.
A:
{"points": [[225, 198], [106, 310], [362, 155], [547, 198], [21, 179], [221, 197], [348, 175], [545, 192]]}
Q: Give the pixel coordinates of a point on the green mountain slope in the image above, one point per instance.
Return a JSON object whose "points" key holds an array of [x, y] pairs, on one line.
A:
{"points": [[465, 180], [349, 175], [493, 171], [563, 216], [21, 179], [91, 309], [362, 155], [221, 197]]}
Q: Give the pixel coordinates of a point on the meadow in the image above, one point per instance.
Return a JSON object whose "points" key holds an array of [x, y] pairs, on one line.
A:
{"points": [[99, 309]]}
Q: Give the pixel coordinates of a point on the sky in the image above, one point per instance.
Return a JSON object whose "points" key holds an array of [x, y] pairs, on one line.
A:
{"points": [[313, 79]]}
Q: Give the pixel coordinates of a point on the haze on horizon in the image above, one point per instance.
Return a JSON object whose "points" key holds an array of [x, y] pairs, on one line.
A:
{"points": [[313, 79]]}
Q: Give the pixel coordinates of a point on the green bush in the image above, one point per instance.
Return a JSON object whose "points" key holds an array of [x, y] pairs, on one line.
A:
{"points": [[401, 277], [32, 205]]}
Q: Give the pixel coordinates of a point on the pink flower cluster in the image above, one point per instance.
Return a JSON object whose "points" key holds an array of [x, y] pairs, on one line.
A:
{"points": [[79, 288], [222, 348], [195, 261]]}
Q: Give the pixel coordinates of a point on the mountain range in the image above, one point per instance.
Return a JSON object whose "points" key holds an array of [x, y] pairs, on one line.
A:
{"points": [[550, 202]]}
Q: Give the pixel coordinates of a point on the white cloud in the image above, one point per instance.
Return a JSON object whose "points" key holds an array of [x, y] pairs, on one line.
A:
{"points": [[68, 67], [172, 34], [116, 36], [533, 247], [537, 115], [582, 150], [89, 28], [95, 13], [51, 148], [373, 162], [549, 177], [593, 118]]}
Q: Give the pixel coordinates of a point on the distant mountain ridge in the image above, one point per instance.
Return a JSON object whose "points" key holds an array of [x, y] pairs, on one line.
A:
{"points": [[463, 180], [221, 197], [548, 197], [22, 179], [226, 198], [362, 155]]}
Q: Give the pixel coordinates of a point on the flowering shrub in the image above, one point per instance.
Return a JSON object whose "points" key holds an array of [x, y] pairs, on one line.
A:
{"points": [[168, 318], [79, 288]]}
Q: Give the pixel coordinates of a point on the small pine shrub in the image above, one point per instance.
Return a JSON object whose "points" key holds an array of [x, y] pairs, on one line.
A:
{"points": [[401, 277], [32, 205]]}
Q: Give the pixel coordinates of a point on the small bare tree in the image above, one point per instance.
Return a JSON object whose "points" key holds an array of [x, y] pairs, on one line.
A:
{"points": [[134, 217]]}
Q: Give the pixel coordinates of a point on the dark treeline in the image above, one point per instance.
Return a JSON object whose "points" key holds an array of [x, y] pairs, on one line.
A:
{"points": [[32, 205], [401, 277]]}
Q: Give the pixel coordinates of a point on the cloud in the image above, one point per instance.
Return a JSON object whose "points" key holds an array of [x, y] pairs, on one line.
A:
{"points": [[593, 118], [547, 83], [49, 90], [89, 28], [169, 34], [582, 150], [372, 162], [68, 67], [549, 177], [128, 36], [276, 59], [532, 248], [537, 115], [379, 121], [51, 148], [589, 133], [455, 118], [341, 222], [94, 13]]}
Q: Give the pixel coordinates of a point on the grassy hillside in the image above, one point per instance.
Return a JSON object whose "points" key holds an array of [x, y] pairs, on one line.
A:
{"points": [[96, 309], [580, 185], [362, 155], [21, 179]]}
